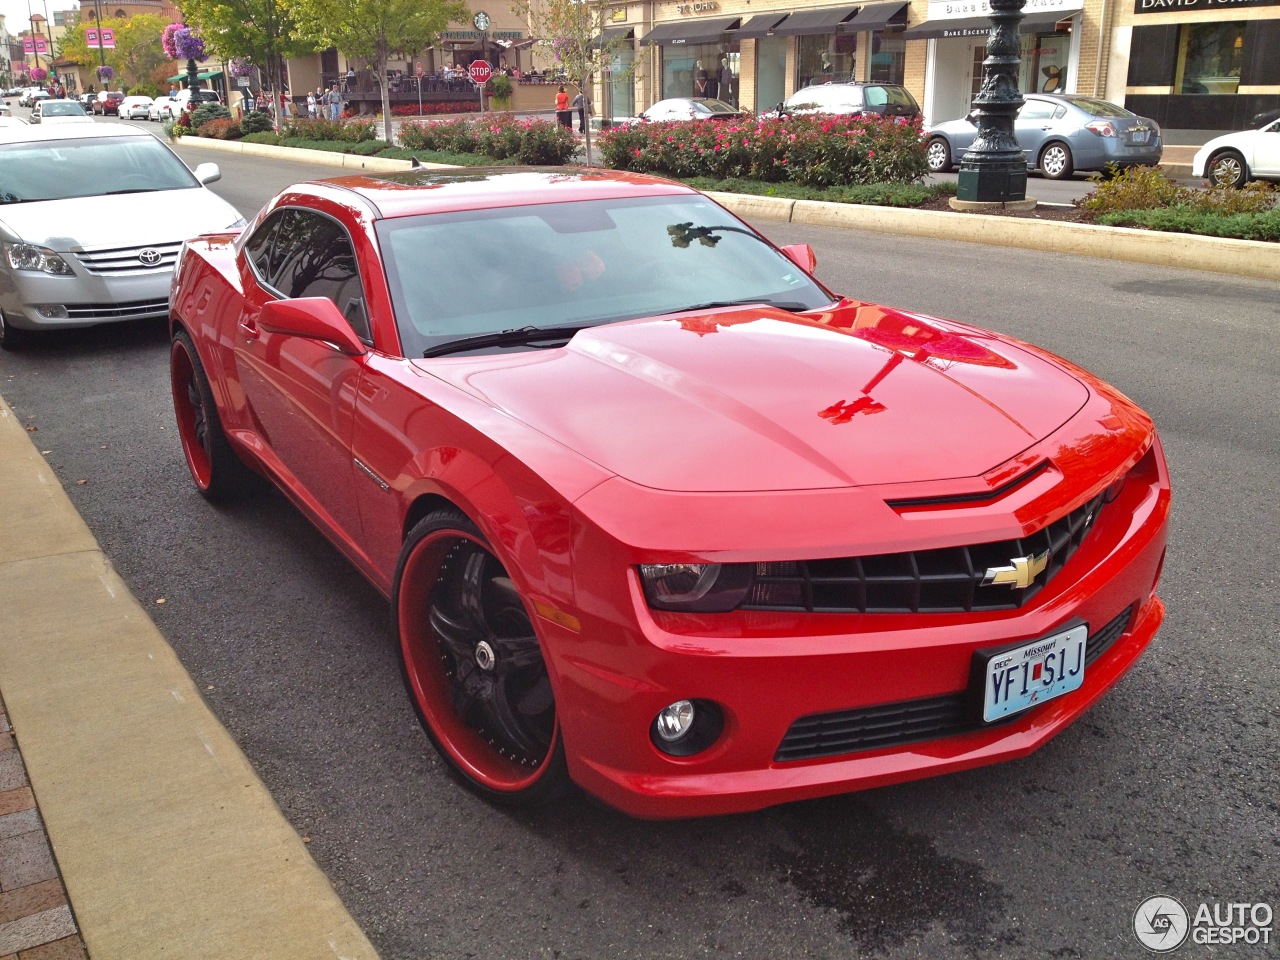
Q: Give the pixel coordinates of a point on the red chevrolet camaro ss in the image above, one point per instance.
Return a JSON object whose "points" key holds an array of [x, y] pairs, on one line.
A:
{"points": [[657, 513]]}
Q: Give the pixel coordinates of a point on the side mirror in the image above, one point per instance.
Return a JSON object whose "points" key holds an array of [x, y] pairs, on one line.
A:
{"points": [[208, 172], [316, 318], [802, 255]]}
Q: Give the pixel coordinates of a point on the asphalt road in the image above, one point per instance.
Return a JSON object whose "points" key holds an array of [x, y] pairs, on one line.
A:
{"points": [[1169, 786]]}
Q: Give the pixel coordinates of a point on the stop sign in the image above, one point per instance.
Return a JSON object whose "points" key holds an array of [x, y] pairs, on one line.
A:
{"points": [[480, 71]]}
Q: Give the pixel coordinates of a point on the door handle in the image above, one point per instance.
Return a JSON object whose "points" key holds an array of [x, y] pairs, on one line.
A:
{"points": [[249, 328]]}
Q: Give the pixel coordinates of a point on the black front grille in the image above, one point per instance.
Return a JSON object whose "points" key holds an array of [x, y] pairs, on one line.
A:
{"points": [[909, 721], [948, 580]]}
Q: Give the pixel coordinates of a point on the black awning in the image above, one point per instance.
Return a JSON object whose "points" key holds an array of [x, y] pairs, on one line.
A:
{"points": [[761, 25], [610, 34], [980, 26], [877, 16], [807, 22], [691, 31]]}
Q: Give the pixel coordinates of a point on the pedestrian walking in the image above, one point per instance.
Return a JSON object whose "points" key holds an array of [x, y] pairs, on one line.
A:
{"points": [[335, 103], [580, 105]]}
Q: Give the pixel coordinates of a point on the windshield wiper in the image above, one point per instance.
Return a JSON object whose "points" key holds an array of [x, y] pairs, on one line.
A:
{"points": [[789, 305], [112, 193], [516, 337]]}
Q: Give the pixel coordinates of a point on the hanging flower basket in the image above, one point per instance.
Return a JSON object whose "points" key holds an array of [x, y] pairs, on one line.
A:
{"points": [[105, 73], [39, 74], [180, 42], [242, 67]]}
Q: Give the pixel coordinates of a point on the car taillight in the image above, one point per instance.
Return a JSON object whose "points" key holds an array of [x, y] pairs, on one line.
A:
{"points": [[1103, 128]]}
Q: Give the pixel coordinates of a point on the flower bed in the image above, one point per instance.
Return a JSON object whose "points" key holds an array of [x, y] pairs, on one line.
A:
{"points": [[501, 136], [816, 151]]}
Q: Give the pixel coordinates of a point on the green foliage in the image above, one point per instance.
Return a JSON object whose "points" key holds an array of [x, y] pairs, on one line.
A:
{"points": [[1239, 226], [348, 131], [500, 88], [1148, 188], [255, 123], [265, 136], [538, 142], [264, 31], [206, 112], [368, 148], [328, 146], [811, 151], [872, 194], [173, 130]]}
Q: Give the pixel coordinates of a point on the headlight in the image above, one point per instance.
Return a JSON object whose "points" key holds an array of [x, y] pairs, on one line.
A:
{"points": [[696, 587], [27, 256]]}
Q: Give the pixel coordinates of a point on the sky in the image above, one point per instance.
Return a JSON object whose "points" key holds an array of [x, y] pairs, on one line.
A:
{"points": [[15, 11]]}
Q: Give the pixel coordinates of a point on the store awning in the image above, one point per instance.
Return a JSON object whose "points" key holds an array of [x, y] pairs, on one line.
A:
{"points": [[612, 34], [807, 22], [981, 26], [691, 31], [208, 75], [761, 25], [877, 16]]}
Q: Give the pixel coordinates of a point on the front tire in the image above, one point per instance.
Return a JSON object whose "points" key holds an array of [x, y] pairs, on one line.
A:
{"points": [[1056, 162], [1228, 169], [11, 337], [215, 468], [473, 665], [938, 155]]}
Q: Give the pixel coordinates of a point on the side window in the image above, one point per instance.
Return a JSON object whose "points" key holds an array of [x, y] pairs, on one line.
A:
{"points": [[315, 259], [1036, 110], [258, 247]]}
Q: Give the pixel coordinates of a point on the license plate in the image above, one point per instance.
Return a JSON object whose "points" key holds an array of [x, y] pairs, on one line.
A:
{"points": [[1138, 136], [1024, 676]]}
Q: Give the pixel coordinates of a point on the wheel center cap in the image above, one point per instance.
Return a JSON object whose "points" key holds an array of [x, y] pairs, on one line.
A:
{"points": [[485, 656]]}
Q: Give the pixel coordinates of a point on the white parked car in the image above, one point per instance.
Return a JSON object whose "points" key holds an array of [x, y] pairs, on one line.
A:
{"points": [[1234, 159], [91, 221], [31, 95], [134, 108], [167, 108], [59, 111]]}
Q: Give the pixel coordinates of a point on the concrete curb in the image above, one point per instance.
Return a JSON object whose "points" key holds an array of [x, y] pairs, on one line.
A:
{"points": [[169, 844], [1245, 258]]}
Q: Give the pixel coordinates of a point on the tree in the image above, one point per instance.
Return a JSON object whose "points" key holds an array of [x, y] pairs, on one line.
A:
{"points": [[575, 31], [375, 29], [263, 31], [137, 53]]}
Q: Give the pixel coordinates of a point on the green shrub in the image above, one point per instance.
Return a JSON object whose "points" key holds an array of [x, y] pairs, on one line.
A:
{"points": [[546, 143], [1239, 226], [347, 131], [368, 148], [873, 194], [816, 151], [329, 146], [206, 112], [172, 129], [256, 123], [1148, 188], [269, 137], [500, 89]]}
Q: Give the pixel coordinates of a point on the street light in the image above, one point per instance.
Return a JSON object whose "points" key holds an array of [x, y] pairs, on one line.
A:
{"points": [[994, 170]]}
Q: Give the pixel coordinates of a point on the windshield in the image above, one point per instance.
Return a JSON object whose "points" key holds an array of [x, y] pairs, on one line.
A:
{"points": [[827, 96], [61, 108], [62, 169], [576, 264]]}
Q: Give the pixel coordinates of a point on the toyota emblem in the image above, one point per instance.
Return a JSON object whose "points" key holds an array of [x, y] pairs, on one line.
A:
{"points": [[149, 257]]}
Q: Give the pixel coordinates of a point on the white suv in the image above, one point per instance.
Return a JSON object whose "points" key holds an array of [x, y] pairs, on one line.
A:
{"points": [[169, 108]]}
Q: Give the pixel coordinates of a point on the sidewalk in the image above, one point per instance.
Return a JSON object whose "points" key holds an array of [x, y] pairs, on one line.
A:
{"points": [[168, 843]]}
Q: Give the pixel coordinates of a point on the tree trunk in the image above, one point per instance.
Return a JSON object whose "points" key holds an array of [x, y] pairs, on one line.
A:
{"points": [[389, 131]]}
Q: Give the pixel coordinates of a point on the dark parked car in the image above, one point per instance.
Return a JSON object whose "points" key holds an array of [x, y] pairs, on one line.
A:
{"points": [[1059, 134], [852, 99]]}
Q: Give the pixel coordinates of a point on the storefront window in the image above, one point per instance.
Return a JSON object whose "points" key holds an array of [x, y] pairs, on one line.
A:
{"points": [[1209, 57], [621, 85], [1044, 62], [888, 57], [699, 71], [771, 72], [825, 58]]}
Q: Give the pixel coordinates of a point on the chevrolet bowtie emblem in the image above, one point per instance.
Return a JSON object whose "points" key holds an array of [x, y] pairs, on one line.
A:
{"points": [[1021, 572]]}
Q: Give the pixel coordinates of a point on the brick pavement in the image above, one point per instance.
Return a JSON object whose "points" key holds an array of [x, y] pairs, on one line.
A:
{"points": [[36, 922]]}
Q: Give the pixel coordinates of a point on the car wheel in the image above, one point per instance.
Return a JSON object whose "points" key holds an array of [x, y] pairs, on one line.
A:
{"points": [[1227, 169], [473, 665], [215, 468], [1055, 161], [11, 337], [938, 155]]}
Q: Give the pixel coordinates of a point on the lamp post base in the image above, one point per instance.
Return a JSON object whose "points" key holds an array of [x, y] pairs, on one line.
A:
{"points": [[992, 185], [978, 206]]}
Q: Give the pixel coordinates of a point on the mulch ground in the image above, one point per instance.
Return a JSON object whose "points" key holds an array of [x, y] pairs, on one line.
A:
{"points": [[1062, 214]]}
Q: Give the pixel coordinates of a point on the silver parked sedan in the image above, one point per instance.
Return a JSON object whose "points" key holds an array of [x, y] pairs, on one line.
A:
{"points": [[91, 221], [1060, 134]]}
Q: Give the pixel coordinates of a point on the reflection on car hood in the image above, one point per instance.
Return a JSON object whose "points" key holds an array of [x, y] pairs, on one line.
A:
{"points": [[755, 398], [122, 220]]}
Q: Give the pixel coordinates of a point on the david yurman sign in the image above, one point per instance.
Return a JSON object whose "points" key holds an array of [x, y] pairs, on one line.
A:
{"points": [[1163, 6]]}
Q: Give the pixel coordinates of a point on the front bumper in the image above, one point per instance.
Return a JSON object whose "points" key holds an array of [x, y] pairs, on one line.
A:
{"points": [[87, 300]]}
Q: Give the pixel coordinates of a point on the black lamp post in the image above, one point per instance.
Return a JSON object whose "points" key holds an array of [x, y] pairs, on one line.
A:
{"points": [[994, 169], [97, 16]]}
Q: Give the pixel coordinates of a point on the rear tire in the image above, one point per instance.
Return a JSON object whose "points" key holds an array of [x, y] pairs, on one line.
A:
{"points": [[215, 468], [1056, 162], [1227, 169], [938, 155]]}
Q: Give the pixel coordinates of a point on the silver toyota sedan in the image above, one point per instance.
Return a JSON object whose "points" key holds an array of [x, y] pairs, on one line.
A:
{"points": [[91, 220]]}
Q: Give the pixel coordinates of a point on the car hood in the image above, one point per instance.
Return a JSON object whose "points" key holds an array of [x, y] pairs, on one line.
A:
{"points": [[760, 399], [122, 220]]}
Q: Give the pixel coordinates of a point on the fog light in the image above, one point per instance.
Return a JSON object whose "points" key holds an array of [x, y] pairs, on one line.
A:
{"points": [[687, 727], [675, 721], [54, 311]]}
